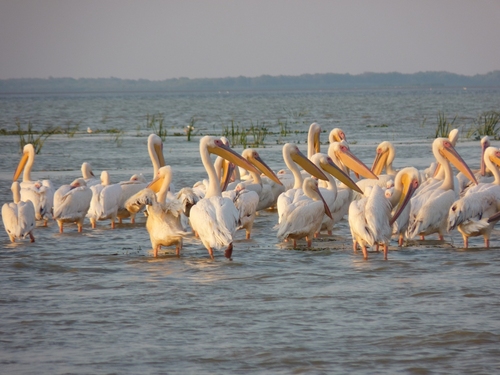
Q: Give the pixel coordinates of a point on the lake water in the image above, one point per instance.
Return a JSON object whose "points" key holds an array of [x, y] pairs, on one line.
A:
{"points": [[98, 302]]}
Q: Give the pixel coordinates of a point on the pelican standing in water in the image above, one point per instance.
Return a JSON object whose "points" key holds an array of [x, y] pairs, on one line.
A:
{"points": [[88, 175], [429, 208], [470, 213], [105, 201], [71, 203], [215, 218], [164, 216], [18, 217], [303, 216], [41, 193]]}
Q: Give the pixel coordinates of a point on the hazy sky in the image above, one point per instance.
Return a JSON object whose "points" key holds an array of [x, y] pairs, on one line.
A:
{"points": [[160, 39]]}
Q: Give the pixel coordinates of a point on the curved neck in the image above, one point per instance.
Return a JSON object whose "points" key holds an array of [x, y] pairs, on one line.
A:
{"points": [[16, 194], [494, 170], [213, 188], [161, 196], [448, 183], [29, 165], [297, 176]]}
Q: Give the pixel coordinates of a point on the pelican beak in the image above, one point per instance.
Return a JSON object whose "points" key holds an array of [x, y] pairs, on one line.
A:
{"points": [[159, 152], [495, 158], [311, 168], [228, 169], [379, 162], [232, 156], [263, 167], [155, 185], [410, 184], [449, 152], [20, 166], [354, 164], [339, 174], [327, 209]]}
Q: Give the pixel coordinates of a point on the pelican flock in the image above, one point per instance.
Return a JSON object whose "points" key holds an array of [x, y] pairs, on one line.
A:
{"points": [[306, 199]]}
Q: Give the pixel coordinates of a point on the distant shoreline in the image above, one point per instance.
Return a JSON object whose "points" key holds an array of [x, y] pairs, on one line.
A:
{"points": [[305, 82]]}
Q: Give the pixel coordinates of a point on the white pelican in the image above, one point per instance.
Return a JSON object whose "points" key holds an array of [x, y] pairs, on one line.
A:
{"points": [[429, 208], [105, 201], [302, 217], [333, 199], [246, 201], [88, 175], [155, 151], [483, 174], [41, 193], [292, 156], [406, 183], [18, 217], [71, 203], [215, 218], [164, 216], [470, 213]]}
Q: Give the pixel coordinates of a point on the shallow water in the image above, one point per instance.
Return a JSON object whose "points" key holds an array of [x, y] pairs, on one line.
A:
{"points": [[97, 302]]}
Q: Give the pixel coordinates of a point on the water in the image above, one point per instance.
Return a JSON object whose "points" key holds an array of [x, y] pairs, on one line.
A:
{"points": [[97, 302]]}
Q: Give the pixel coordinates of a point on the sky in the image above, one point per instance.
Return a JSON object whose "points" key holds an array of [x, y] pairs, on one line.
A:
{"points": [[162, 39]]}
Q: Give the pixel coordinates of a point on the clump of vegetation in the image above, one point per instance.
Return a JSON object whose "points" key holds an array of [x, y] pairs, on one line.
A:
{"points": [[444, 126], [486, 124], [240, 137], [259, 133], [37, 139], [190, 130], [156, 124]]}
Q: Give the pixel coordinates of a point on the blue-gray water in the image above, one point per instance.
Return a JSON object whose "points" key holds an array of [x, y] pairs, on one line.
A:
{"points": [[97, 302]]}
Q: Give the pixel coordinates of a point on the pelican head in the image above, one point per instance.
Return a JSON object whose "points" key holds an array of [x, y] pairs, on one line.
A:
{"points": [[253, 157], [163, 173], [337, 135], [326, 163], [299, 158], [342, 153], [87, 170], [485, 143], [311, 189], [384, 155], [444, 148]]}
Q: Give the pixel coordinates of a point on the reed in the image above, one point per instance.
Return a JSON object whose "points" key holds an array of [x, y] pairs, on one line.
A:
{"points": [[444, 126], [259, 133], [487, 123], [37, 139], [156, 124], [190, 130]]}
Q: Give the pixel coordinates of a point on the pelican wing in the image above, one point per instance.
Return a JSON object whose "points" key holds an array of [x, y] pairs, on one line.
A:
{"points": [[74, 203]]}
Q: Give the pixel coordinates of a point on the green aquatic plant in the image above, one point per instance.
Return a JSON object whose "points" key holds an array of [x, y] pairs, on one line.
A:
{"points": [[444, 126], [190, 129], [156, 124], [487, 123], [37, 139], [259, 133]]}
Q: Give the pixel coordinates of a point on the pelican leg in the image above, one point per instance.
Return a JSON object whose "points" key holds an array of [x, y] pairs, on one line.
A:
{"points": [[365, 252], [178, 249], [247, 234], [316, 235], [309, 241], [32, 238], [422, 237], [155, 250], [386, 248], [400, 240], [229, 251], [132, 219], [294, 243], [486, 242], [441, 238], [93, 223], [211, 253], [329, 232], [60, 227], [466, 241], [80, 227], [355, 246], [112, 224], [377, 247]]}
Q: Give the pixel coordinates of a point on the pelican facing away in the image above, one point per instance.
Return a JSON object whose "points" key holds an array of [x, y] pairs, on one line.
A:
{"points": [[71, 203], [18, 217], [470, 213], [303, 216], [41, 193], [215, 218], [164, 216], [105, 201]]}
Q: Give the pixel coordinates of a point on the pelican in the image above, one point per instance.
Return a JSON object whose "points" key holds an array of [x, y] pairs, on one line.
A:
{"points": [[71, 203], [403, 187], [155, 151], [483, 174], [292, 156], [105, 201], [164, 216], [88, 175], [302, 217], [18, 217], [333, 199], [429, 208], [215, 218], [41, 193], [246, 201], [469, 214]]}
